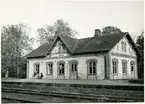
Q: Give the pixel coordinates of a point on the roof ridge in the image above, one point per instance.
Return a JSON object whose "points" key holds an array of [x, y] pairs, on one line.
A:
{"points": [[86, 38]]}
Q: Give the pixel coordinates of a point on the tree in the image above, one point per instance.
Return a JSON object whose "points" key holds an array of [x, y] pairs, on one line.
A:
{"points": [[13, 42], [140, 42], [48, 32], [140, 60], [110, 30]]}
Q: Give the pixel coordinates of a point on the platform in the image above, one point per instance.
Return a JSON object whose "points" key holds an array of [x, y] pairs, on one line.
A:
{"points": [[88, 82]]}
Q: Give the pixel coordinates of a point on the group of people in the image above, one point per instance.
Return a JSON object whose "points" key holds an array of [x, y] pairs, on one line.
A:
{"points": [[38, 75]]}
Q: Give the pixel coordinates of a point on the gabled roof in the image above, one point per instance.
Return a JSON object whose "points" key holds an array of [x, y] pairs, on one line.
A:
{"points": [[97, 44], [40, 51], [82, 46]]}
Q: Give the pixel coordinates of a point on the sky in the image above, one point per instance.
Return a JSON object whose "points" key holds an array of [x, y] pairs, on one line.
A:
{"points": [[82, 16]]}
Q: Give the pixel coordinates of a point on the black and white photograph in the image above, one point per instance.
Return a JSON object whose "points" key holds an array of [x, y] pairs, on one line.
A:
{"points": [[65, 51]]}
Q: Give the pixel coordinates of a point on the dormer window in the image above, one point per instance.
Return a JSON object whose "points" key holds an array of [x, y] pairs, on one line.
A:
{"points": [[123, 46]]}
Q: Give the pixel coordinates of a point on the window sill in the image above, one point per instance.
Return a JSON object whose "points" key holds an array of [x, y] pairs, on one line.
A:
{"points": [[61, 74], [115, 74], [92, 74], [49, 74], [124, 73]]}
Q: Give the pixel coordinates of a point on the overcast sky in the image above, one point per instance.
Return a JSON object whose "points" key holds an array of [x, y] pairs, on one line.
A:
{"points": [[83, 16]]}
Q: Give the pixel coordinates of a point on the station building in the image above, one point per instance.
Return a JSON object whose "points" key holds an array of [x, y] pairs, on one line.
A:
{"points": [[93, 58]]}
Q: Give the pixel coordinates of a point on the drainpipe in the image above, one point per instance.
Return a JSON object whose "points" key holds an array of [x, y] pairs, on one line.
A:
{"points": [[27, 76], [105, 66]]}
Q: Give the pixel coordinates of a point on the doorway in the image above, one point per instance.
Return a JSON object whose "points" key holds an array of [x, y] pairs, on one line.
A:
{"points": [[73, 70]]}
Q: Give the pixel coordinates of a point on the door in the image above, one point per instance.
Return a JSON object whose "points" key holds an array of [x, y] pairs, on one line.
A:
{"points": [[73, 71]]}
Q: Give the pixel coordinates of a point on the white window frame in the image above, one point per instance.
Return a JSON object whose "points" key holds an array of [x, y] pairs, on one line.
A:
{"points": [[92, 66], [124, 66], [115, 66], [61, 70], [49, 66]]}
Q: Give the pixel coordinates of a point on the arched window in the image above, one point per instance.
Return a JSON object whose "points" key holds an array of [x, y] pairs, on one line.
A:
{"points": [[124, 66], [49, 68], [132, 65], [36, 67], [123, 46], [61, 67], [59, 47], [115, 66], [92, 66], [73, 65]]}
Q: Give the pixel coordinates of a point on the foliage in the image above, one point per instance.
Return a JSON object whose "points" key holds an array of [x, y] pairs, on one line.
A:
{"points": [[14, 42], [140, 60], [110, 30], [140, 42], [48, 32]]}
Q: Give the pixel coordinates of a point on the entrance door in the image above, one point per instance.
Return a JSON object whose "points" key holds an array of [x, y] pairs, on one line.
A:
{"points": [[132, 70], [73, 70]]}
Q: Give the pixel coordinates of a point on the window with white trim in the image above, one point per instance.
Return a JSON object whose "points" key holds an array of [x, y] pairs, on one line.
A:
{"points": [[117, 47], [73, 66], [132, 65], [59, 47], [49, 68], [123, 46], [37, 67], [115, 66], [124, 66], [61, 68], [92, 66]]}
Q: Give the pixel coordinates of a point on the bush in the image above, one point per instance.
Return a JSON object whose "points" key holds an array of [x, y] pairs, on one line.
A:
{"points": [[140, 81]]}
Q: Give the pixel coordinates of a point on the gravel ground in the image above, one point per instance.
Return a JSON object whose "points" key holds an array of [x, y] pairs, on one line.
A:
{"points": [[44, 99]]}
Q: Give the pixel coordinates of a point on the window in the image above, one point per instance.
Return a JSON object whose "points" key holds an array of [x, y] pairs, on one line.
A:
{"points": [[124, 66], [37, 67], [132, 65], [115, 66], [49, 68], [123, 45], [61, 68], [59, 47], [117, 47], [130, 51], [73, 66], [92, 66], [63, 48]]}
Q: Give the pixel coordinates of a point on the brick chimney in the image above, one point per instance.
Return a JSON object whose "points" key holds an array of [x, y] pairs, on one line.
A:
{"points": [[97, 33]]}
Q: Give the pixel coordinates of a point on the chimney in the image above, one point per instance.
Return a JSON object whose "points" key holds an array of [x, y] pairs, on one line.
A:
{"points": [[97, 33]]}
